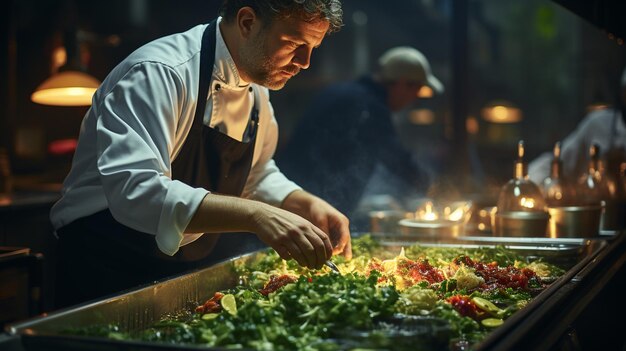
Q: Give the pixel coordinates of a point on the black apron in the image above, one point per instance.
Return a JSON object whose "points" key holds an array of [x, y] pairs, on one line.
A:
{"points": [[100, 256]]}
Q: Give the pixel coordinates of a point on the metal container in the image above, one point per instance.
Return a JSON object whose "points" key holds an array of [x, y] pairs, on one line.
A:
{"points": [[521, 224], [613, 215], [436, 229], [139, 308], [387, 221], [574, 221], [480, 222]]}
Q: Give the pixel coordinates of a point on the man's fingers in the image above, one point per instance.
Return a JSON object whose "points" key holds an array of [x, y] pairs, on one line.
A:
{"points": [[283, 252], [347, 251], [317, 240], [342, 235], [328, 246], [307, 248], [296, 253], [324, 243]]}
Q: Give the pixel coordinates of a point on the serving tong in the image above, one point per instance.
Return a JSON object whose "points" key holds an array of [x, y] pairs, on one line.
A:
{"points": [[332, 266]]}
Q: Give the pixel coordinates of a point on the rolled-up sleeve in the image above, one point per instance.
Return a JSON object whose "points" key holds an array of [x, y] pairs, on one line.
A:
{"points": [[270, 185], [136, 128]]}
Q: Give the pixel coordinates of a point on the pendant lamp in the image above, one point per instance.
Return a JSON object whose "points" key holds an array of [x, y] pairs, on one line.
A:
{"points": [[501, 111], [71, 85]]}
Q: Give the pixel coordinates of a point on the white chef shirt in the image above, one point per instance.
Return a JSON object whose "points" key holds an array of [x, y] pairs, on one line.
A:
{"points": [[603, 127], [139, 119]]}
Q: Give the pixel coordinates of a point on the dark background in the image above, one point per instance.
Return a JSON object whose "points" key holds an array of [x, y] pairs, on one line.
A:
{"points": [[542, 57]]}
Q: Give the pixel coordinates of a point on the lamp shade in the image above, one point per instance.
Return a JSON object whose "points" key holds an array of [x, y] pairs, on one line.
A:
{"points": [[66, 88], [501, 111]]}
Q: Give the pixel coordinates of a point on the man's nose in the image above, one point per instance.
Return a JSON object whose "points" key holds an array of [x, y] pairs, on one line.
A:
{"points": [[302, 57]]}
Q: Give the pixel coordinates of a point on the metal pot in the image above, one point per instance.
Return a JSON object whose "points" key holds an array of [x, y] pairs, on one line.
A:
{"points": [[521, 224], [574, 221], [437, 229], [387, 221]]}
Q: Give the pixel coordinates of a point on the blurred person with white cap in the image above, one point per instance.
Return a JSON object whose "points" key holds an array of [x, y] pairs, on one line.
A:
{"points": [[402, 70], [347, 131], [605, 127]]}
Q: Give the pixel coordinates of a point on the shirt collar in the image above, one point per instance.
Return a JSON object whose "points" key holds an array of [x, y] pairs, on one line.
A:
{"points": [[225, 69]]}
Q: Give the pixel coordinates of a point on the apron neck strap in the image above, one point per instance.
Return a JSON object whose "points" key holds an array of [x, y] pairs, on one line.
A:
{"points": [[207, 60]]}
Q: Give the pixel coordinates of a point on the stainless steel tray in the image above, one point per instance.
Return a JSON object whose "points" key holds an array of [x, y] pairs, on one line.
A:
{"points": [[141, 307]]}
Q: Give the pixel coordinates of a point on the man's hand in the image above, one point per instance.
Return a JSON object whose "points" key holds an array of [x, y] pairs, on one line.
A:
{"points": [[292, 236], [298, 230], [324, 216]]}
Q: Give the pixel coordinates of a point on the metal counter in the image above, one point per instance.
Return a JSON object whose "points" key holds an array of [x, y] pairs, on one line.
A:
{"points": [[139, 308]]}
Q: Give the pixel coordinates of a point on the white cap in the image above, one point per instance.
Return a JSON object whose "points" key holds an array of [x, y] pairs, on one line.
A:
{"points": [[404, 62]]}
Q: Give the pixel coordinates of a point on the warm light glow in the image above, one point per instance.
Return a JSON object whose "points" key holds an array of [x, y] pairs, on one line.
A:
{"points": [[5, 199], [59, 58], [598, 105], [68, 88], [422, 116], [457, 214], [64, 96], [62, 146], [612, 188], [425, 92], [527, 202], [501, 112], [428, 213], [471, 125]]}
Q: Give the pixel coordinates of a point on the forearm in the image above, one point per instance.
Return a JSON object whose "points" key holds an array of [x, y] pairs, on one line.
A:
{"points": [[287, 233], [222, 213]]}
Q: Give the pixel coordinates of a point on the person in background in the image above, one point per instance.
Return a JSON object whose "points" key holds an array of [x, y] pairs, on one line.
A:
{"points": [[177, 147], [347, 130], [605, 127]]}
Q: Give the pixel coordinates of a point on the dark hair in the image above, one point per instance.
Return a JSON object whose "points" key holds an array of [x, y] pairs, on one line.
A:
{"points": [[269, 10]]}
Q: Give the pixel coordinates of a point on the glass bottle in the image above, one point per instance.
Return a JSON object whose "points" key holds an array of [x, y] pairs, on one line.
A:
{"points": [[593, 187], [521, 209], [557, 189], [520, 193]]}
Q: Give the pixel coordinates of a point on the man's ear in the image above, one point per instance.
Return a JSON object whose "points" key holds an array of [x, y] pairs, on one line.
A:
{"points": [[246, 20]]}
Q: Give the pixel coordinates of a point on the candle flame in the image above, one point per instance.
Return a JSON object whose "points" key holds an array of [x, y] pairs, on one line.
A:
{"points": [[427, 214]]}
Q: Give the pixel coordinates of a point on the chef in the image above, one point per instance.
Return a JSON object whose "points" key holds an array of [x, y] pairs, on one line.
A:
{"points": [[605, 127], [175, 155]]}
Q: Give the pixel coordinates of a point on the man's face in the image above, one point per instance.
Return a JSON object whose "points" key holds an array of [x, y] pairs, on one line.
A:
{"points": [[402, 93], [274, 54]]}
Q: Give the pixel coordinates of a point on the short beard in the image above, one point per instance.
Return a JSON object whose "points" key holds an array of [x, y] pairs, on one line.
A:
{"points": [[257, 65]]}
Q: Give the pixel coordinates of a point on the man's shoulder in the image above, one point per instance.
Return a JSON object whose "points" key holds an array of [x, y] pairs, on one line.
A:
{"points": [[602, 118], [173, 50], [177, 54]]}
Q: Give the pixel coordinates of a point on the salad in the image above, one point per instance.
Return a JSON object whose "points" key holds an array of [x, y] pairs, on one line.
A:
{"points": [[417, 298]]}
